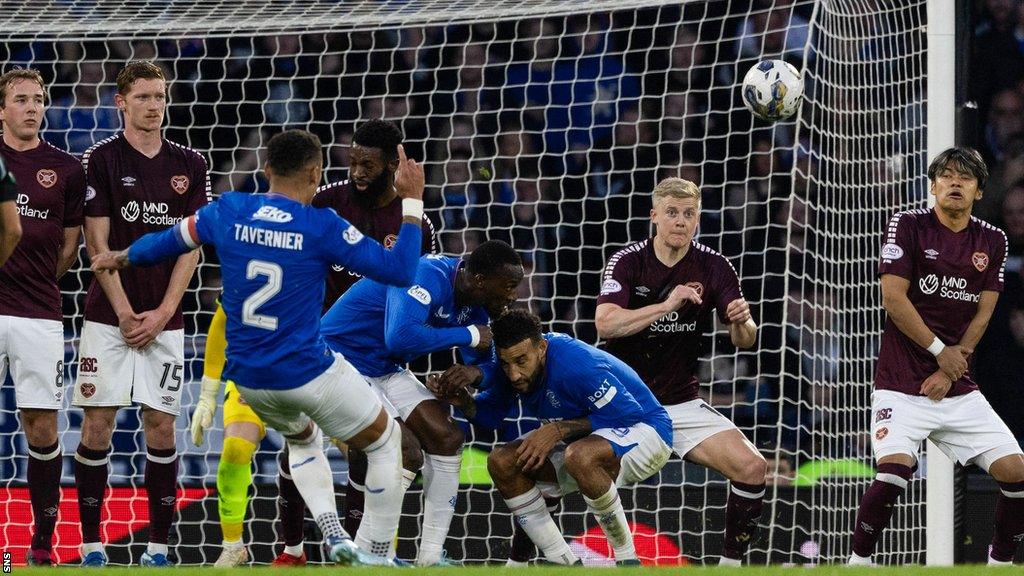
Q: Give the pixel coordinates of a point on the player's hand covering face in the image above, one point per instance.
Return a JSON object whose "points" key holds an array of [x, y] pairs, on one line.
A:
{"points": [[675, 220], [523, 363]]}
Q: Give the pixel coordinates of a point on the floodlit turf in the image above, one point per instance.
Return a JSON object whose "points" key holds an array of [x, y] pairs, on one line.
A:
{"points": [[476, 570]]}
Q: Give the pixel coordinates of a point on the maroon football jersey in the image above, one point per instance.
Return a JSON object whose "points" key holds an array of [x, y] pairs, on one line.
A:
{"points": [[947, 272], [141, 195], [51, 190], [665, 353], [381, 224]]}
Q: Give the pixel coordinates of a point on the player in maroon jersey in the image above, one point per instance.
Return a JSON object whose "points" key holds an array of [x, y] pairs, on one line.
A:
{"points": [[10, 222], [656, 303], [132, 346], [50, 197], [941, 272]]}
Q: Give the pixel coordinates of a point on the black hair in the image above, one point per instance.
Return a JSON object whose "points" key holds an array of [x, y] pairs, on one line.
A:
{"points": [[491, 257], [514, 326], [962, 159], [381, 134], [291, 151]]}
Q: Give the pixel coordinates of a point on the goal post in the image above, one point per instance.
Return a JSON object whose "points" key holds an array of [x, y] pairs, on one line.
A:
{"points": [[546, 123]]}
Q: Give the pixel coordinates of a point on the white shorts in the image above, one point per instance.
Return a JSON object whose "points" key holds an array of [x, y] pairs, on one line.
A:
{"points": [[645, 454], [339, 401], [965, 427], [694, 422], [33, 350], [111, 373], [400, 393]]}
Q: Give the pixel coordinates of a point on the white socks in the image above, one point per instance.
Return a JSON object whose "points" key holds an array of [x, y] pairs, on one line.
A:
{"points": [[612, 518], [532, 514], [312, 476], [382, 492], [440, 491]]}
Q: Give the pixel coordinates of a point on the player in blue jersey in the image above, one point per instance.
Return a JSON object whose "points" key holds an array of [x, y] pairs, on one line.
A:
{"points": [[603, 428], [380, 328], [275, 252]]}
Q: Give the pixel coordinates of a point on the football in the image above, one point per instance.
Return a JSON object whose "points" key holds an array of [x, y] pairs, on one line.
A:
{"points": [[772, 90]]}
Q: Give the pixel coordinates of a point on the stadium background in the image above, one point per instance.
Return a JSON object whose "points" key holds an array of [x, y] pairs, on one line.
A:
{"points": [[548, 133]]}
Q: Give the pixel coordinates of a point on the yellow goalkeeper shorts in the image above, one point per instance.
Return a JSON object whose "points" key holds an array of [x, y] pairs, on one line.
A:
{"points": [[236, 410]]}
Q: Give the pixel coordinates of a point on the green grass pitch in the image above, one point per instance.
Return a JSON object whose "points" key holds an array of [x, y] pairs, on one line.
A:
{"points": [[476, 570]]}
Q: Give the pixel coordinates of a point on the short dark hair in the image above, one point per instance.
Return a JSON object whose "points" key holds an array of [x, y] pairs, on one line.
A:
{"points": [[292, 150], [491, 257], [514, 326], [137, 70], [381, 134], [961, 159]]}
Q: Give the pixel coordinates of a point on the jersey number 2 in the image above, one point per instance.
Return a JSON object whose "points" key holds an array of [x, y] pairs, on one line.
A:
{"points": [[275, 278]]}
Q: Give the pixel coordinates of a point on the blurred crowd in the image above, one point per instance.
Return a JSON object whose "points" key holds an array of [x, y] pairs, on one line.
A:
{"points": [[550, 134]]}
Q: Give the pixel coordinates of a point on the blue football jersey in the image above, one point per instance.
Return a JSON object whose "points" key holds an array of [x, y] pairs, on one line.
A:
{"points": [[275, 254], [578, 381], [381, 328]]}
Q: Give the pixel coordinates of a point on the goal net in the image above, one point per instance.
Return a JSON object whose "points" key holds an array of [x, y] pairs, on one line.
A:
{"points": [[545, 123]]}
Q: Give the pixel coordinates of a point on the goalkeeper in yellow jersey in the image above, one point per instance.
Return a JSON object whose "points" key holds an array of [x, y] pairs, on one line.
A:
{"points": [[368, 201]]}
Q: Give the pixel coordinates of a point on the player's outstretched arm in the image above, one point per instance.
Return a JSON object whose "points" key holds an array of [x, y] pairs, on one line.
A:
{"points": [[366, 256], [614, 321], [151, 248], [406, 331], [896, 303], [742, 328]]}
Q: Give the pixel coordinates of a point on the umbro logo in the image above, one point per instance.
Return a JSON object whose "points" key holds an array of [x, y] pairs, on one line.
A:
{"points": [[442, 314], [931, 254], [128, 181], [643, 290]]}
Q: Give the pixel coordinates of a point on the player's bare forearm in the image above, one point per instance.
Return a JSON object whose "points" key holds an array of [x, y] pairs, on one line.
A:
{"points": [[571, 430], [97, 231], [614, 321], [184, 267], [10, 230], [902, 311], [68, 250], [743, 334], [976, 329]]}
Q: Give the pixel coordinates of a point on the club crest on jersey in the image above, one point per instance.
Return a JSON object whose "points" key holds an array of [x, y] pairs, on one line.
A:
{"points": [[46, 178], [697, 287], [179, 183], [389, 241], [881, 433], [892, 252], [87, 390], [980, 261]]}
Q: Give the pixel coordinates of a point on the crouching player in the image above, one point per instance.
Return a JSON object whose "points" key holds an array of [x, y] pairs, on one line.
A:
{"points": [[602, 429]]}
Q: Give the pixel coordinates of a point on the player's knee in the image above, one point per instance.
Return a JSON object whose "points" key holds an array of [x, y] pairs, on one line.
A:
{"points": [[579, 459], [237, 450], [97, 428], [40, 426], [501, 462], [754, 470]]}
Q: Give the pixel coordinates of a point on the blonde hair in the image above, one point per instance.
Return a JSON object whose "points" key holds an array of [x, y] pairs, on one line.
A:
{"points": [[675, 188], [137, 70], [16, 74]]}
